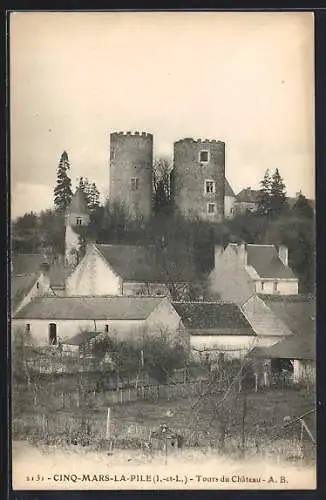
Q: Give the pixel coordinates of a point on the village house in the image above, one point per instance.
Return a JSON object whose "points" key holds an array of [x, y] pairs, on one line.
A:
{"points": [[215, 328], [246, 201], [294, 317], [229, 200], [241, 270], [53, 319], [30, 279], [127, 270]]}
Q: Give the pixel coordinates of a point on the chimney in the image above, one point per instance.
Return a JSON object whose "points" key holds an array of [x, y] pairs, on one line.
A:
{"points": [[283, 254], [242, 252]]}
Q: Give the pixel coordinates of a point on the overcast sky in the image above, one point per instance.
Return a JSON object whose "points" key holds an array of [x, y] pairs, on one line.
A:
{"points": [[243, 78]]}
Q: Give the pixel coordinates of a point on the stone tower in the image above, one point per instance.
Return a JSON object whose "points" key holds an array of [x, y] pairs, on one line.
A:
{"points": [[76, 220], [131, 165], [198, 178]]}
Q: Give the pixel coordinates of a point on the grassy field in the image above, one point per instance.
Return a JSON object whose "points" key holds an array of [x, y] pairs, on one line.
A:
{"points": [[254, 422]]}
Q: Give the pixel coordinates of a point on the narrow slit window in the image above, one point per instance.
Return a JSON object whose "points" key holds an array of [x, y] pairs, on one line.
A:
{"points": [[134, 184], [211, 208], [52, 334]]}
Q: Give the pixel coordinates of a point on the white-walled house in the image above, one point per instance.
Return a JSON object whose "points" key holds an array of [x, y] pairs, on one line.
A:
{"points": [[124, 270], [229, 200], [241, 270], [50, 319], [30, 278], [215, 328]]}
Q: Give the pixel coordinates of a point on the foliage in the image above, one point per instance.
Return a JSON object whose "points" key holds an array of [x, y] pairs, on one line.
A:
{"points": [[162, 186], [302, 208], [62, 190], [278, 203], [91, 192], [265, 194]]}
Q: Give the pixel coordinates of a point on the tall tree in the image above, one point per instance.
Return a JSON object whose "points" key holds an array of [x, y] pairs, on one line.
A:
{"points": [[264, 198], [302, 207], [278, 202], [62, 190], [91, 192]]}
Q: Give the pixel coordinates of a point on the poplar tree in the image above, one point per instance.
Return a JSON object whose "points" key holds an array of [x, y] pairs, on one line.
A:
{"points": [[278, 202], [264, 197], [62, 190]]}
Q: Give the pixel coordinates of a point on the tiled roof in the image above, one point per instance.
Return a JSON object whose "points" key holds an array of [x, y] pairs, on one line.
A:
{"points": [[266, 262], [78, 203], [248, 195], [264, 321], [213, 317], [145, 264], [21, 286], [89, 308], [25, 263], [58, 274], [228, 190], [296, 311], [294, 347]]}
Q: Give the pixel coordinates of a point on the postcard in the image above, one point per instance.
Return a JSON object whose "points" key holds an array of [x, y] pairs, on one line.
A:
{"points": [[163, 250]]}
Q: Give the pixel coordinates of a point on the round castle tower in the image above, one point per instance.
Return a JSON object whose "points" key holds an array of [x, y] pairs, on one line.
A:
{"points": [[131, 165], [76, 218], [198, 179]]}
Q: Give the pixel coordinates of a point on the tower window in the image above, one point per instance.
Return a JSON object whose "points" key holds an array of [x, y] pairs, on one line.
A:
{"points": [[262, 285], [211, 208], [28, 328], [203, 156], [79, 221], [275, 288], [209, 187], [134, 184], [106, 328], [52, 334]]}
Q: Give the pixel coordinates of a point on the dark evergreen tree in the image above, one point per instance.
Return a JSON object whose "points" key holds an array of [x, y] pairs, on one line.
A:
{"points": [[62, 191], [302, 207], [278, 203], [264, 197]]}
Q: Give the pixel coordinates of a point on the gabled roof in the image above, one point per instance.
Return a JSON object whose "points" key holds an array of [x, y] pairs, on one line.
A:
{"points": [[298, 312], [144, 264], [264, 321], [266, 262], [295, 347], [248, 195], [78, 204], [228, 190], [213, 318], [89, 308], [20, 287]]}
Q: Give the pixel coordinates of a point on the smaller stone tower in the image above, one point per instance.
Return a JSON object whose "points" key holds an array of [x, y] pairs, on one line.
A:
{"points": [[198, 179], [76, 220], [131, 166]]}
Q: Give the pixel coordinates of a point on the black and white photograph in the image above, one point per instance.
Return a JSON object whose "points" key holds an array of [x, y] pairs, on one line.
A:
{"points": [[162, 254]]}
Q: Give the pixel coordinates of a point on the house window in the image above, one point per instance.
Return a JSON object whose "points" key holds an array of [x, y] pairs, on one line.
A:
{"points": [[203, 156], [262, 285], [209, 187], [79, 221], [52, 334], [28, 328], [275, 288], [134, 184], [106, 328], [211, 208]]}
